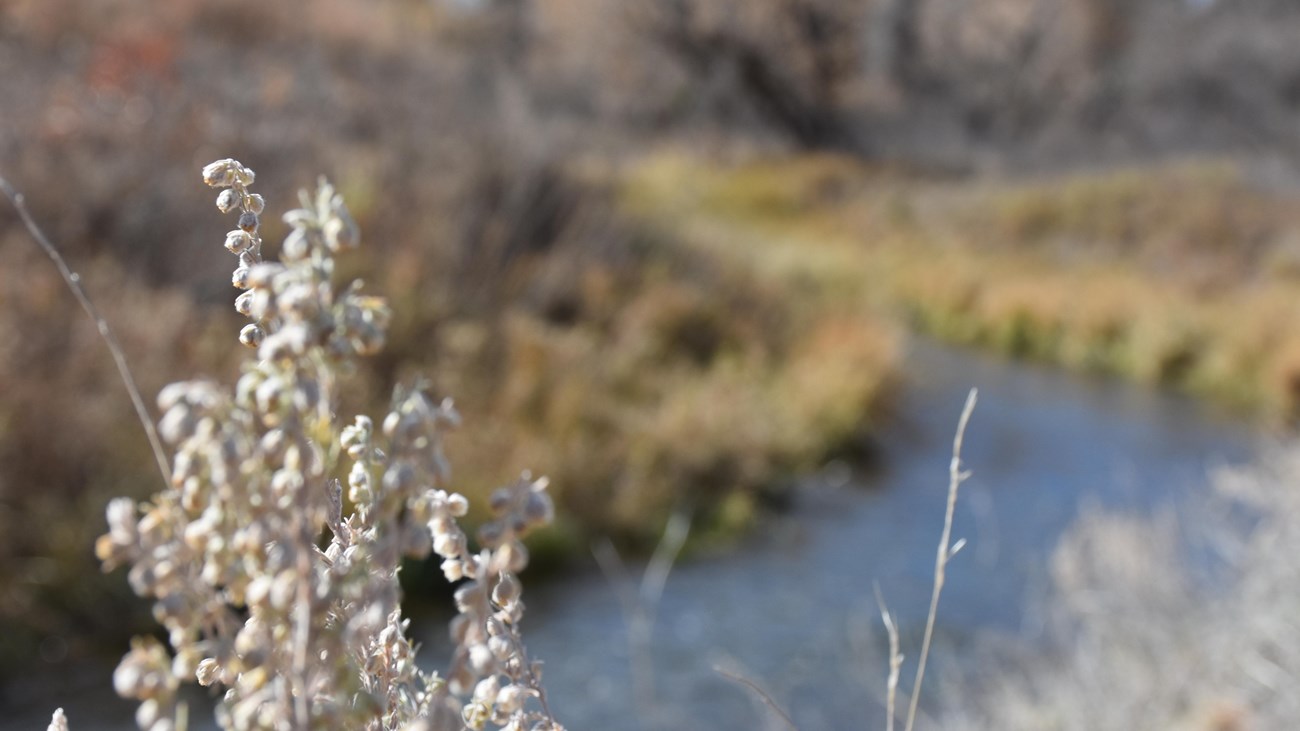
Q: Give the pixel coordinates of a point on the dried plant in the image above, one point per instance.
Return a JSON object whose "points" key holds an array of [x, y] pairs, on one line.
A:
{"points": [[298, 635]]}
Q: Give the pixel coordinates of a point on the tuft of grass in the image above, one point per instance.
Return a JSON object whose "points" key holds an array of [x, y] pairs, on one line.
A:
{"points": [[1181, 622]]}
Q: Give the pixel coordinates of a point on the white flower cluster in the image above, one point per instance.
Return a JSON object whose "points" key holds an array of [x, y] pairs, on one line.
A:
{"points": [[302, 637]]}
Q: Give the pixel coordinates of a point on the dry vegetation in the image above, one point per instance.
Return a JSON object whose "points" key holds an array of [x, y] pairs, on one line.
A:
{"points": [[1182, 275], [1183, 622], [677, 331], [580, 344]]}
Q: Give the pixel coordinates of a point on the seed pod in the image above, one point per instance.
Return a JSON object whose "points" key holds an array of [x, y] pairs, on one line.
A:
{"points": [[296, 245], [510, 699], [238, 241], [449, 545], [500, 647], [220, 173], [244, 303], [539, 509], [500, 500], [487, 689], [457, 505], [481, 659], [453, 569], [507, 590], [490, 534], [251, 336], [208, 672], [227, 200]]}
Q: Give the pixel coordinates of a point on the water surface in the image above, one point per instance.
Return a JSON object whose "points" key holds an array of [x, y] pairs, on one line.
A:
{"points": [[795, 609]]}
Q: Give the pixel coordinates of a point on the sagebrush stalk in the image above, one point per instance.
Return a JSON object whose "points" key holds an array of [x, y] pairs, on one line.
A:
{"points": [[299, 636]]}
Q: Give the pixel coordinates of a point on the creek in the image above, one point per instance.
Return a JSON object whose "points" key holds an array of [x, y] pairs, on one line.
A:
{"points": [[794, 607]]}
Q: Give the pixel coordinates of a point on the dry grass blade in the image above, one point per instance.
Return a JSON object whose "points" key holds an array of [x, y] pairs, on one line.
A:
{"points": [[895, 661], [73, 280], [955, 477], [762, 694], [640, 603]]}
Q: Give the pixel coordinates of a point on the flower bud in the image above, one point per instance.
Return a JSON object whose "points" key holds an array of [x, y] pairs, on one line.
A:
{"points": [[501, 647], [511, 698], [227, 200], [481, 659], [457, 505], [475, 715], [220, 173], [244, 303], [449, 545], [539, 510], [296, 245], [238, 241], [487, 689], [453, 569], [507, 590], [208, 672], [251, 336]]}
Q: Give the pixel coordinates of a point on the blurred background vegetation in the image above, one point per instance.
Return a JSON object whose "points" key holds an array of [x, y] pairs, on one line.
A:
{"points": [[663, 252]]}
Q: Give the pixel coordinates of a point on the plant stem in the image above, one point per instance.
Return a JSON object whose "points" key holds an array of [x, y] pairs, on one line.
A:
{"points": [[73, 280], [955, 477]]}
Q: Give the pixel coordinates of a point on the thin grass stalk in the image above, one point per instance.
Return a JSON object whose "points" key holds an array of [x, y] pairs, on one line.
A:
{"points": [[895, 662], [758, 691], [640, 603], [955, 477], [73, 280]]}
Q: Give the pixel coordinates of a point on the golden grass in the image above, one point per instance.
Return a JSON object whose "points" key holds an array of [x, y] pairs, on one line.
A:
{"points": [[1176, 275], [684, 396]]}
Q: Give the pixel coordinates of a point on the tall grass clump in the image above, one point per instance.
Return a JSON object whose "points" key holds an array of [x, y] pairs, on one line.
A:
{"points": [[1183, 620], [272, 554]]}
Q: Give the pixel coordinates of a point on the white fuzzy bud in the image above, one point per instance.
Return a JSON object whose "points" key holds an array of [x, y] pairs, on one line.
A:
{"points": [[511, 698], [251, 336], [238, 241], [475, 715], [453, 570], [481, 659], [449, 545], [244, 303], [501, 647], [227, 200], [507, 590], [208, 672], [296, 245], [457, 505], [220, 173], [487, 689]]}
